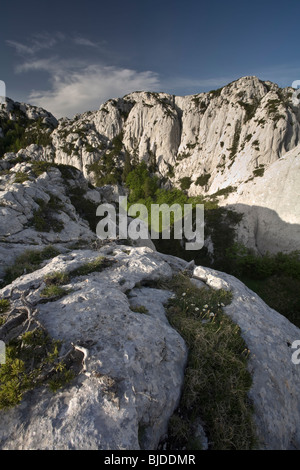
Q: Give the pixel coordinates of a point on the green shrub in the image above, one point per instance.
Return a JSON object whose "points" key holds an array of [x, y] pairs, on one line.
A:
{"points": [[235, 142], [203, 179], [250, 108], [44, 219], [21, 177], [185, 183], [259, 172], [182, 156], [21, 132], [28, 358], [40, 167], [216, 93], [141, 183], [4, 307], [224, 191], [105, 170], [84, 207]]}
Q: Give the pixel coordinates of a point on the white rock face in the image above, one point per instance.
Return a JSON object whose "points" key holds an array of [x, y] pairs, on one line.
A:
{"points": [[271, 207], [225, 137], [225, 133]]}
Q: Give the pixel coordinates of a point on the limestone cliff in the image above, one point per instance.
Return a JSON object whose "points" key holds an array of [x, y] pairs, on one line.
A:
{"points": [[226, 140]]}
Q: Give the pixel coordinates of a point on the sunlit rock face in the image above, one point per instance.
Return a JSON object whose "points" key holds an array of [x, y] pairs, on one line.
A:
{"points": [[240, 140]]}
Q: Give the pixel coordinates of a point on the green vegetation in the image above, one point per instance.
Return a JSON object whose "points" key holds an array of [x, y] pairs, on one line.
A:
{"points": [[220, 224], [201, 104], [32, 360], [97, 265], [224, 191], [141, 183], [21, 132], [57, 278], [21, 177], [216, 377], [250, 108], [54, 292], [272, 109], [106, 169], [53, 289], [185, 183], [235, 142], [4, 307], [275, 278], [182, 156], [259, 171], [44, 219], [203, 179], [84, 207], [272, 106], [28, 262], [216, 93]]}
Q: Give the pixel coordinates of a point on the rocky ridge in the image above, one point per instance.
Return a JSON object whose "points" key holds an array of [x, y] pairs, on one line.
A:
{"points": [[220, 143]]}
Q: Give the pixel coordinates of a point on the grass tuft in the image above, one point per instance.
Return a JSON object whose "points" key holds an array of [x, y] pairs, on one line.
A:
{"points": [[28, 262], [216, 377]]}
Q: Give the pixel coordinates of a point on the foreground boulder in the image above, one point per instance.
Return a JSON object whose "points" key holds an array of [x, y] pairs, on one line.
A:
{"points": [[135, 365], [132, 362]]}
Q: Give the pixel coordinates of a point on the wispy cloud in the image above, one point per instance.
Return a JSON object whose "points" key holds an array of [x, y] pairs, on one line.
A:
{"points": [[81, 41], [20, 48], [85, 89], [36, 43]]}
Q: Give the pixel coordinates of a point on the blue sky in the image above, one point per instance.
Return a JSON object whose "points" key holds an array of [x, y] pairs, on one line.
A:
{"points": [[70, 57]]}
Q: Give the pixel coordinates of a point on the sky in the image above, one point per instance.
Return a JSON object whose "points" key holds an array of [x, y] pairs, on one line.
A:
{"points": [[71, 56]]}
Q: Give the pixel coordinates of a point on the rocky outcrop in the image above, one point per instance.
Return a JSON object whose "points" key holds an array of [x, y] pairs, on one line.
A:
{"points": [[36, 209], [132, 374], [135, 365]]}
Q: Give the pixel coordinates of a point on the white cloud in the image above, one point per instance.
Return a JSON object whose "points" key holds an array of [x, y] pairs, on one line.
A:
{"points": [[86, 87], [79, 82]]}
